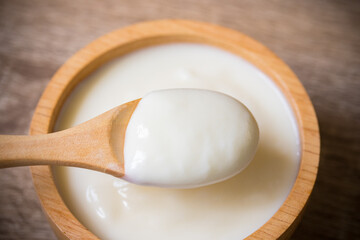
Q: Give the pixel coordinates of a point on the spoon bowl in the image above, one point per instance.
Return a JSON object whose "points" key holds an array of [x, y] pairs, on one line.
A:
{"points": [[177, 138]]}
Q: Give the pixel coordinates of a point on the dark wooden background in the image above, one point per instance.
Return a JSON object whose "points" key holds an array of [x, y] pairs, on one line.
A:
{"points": [[319, 40]]}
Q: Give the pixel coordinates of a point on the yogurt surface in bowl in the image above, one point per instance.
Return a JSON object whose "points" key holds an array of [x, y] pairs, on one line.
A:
{"points": [[115, 209], [187, 138]]}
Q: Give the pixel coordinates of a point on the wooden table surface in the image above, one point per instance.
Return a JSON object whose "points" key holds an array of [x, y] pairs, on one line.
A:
{"points": [[319, 40]]}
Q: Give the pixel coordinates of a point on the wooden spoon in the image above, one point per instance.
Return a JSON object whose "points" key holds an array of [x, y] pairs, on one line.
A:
{"points": [[97, 144]]}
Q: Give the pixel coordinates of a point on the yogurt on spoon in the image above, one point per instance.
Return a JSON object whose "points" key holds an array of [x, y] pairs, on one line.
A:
{"points": [[185, 138]]}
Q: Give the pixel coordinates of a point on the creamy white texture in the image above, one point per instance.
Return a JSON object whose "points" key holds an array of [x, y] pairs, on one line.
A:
{"points": [[187, 138], [229, 210]]}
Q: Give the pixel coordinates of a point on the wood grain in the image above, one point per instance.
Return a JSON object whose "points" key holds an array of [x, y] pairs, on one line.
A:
{"points": [[318, 39]]}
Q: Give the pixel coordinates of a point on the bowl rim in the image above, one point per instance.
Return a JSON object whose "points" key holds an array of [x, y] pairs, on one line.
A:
{"points": [[128, 39]]}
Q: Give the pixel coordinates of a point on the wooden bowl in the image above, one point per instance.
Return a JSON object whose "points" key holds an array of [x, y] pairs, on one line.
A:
{"points": [[128, 39]]}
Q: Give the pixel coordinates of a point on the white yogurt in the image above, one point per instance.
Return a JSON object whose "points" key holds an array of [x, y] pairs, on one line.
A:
{"points": [[188, 138], [233, 209]]}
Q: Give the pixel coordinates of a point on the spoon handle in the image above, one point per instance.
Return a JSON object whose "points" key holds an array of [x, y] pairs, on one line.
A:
{"points": [[86, 146], [96, 144], [71, 147], [31, 150]]}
